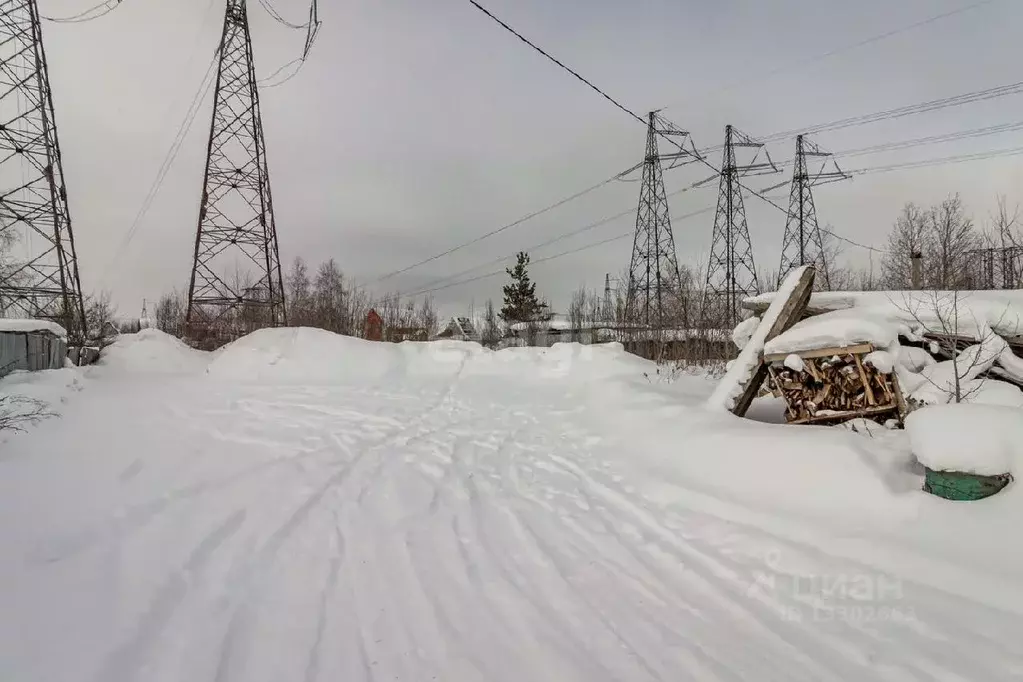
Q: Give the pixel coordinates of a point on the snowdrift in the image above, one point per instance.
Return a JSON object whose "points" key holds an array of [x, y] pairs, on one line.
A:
{"points": [[152, 351], [314, 356]]}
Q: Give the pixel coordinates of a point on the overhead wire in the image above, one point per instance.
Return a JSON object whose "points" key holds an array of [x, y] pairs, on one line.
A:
{"points": [[279, 18], [900, 112], [172, 153], [506, 227], [698, 155], [312, 28], [852, 46], [105, 8], [444, 283]]}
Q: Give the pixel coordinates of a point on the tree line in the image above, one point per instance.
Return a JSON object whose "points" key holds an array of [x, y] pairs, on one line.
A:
{"points": [[943, 237]]}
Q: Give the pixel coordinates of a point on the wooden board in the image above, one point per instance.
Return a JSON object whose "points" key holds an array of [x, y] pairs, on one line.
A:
{"points": [[790, 313], [822, 352], [850, 414]]}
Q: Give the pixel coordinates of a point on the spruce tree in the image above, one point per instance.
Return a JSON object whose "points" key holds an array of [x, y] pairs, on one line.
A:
{"points": [[520, 302]]}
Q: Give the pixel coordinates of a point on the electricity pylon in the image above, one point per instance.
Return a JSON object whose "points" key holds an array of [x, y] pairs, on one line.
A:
{"points": [[236, 234], [803, 244], [41, 278], [655, 298], [732, 272]]}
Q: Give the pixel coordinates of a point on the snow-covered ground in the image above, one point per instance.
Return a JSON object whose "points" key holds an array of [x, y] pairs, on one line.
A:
{"points": [[301, 506]]}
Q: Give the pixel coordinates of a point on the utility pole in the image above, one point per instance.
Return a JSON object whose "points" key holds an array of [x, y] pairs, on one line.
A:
{"points": [[916, 278], [731, 272], [42, 282], [802, 243], [654, 298], [607, 298], [236, 229]]}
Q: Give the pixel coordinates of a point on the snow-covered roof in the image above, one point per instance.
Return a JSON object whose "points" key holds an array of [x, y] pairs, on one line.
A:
{"points": [[562, 323], [838, 328], [1001, 310], [557, 322], [7, 325]]}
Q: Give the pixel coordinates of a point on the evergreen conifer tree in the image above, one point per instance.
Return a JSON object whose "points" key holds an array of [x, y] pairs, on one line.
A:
{"points": [[520, 302]]}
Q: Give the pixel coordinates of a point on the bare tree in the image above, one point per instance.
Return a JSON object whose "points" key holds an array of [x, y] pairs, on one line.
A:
{"points": [[952, 236], [427, 317], [300, 302], [1007, 235], [1006, 226], [577, 312], [491, 334], [99, 318], [947, 321], [8, 238], [17, 412], [170, 313], [909, 236]]}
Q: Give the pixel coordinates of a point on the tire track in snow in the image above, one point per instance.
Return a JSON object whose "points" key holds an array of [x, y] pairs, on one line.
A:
{"points": [[312, 669], [138, 516], [235, 635], [715, 573], [125, 662], [545, 619], [721, 583]]}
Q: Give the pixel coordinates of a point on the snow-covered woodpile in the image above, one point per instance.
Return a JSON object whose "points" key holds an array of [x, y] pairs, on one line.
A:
{"points": [[908, 348], [833, 385]]}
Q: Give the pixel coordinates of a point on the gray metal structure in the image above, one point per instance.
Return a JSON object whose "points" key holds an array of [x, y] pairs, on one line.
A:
{"points": [[42, 281], [731, 272], [802, 243], [236, 226], [655, 284]]}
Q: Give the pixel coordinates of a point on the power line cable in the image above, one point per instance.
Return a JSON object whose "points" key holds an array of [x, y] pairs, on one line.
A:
{"points": [[631, 211], [900, 112], [279, 18], [183, 129], [105, 8], [932, 139], [940, 161], [557, 61], [852, 46], [510, 225], [698, 156]]}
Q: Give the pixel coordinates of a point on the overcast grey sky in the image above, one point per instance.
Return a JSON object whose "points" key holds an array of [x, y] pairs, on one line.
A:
{"points": [[420, 124]]}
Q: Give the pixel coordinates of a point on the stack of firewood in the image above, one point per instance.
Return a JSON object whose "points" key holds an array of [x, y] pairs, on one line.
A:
{"points": [[835, 388]]}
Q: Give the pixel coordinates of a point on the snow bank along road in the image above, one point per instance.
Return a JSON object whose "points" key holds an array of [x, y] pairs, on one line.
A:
{"points": [[304, 507]]}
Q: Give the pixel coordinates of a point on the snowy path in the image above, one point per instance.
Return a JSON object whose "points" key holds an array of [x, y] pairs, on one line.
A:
{"points": [[459, 528]]}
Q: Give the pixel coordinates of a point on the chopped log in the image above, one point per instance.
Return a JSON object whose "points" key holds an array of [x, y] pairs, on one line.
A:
{"points": [[866, 384], [835, 385]]}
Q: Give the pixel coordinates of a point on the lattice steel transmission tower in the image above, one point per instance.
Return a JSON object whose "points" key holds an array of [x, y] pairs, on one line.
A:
{"points": [[731, 272], [655, 298], [41, 278], [802, 243], [237, 236]]}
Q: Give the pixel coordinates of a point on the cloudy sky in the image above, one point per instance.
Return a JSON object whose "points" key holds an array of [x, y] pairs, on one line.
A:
{"points": [[420, 124]]}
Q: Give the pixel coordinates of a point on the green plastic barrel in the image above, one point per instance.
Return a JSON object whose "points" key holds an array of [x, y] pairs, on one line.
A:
{"points": [[955, 485]]}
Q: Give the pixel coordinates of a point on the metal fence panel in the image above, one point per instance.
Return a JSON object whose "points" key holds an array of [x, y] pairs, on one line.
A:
{"points": [[32, 351]]}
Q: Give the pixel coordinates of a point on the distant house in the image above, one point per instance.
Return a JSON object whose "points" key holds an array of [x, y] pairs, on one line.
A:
{"points": [[641, 341], [399, 334], [459, 329]]}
